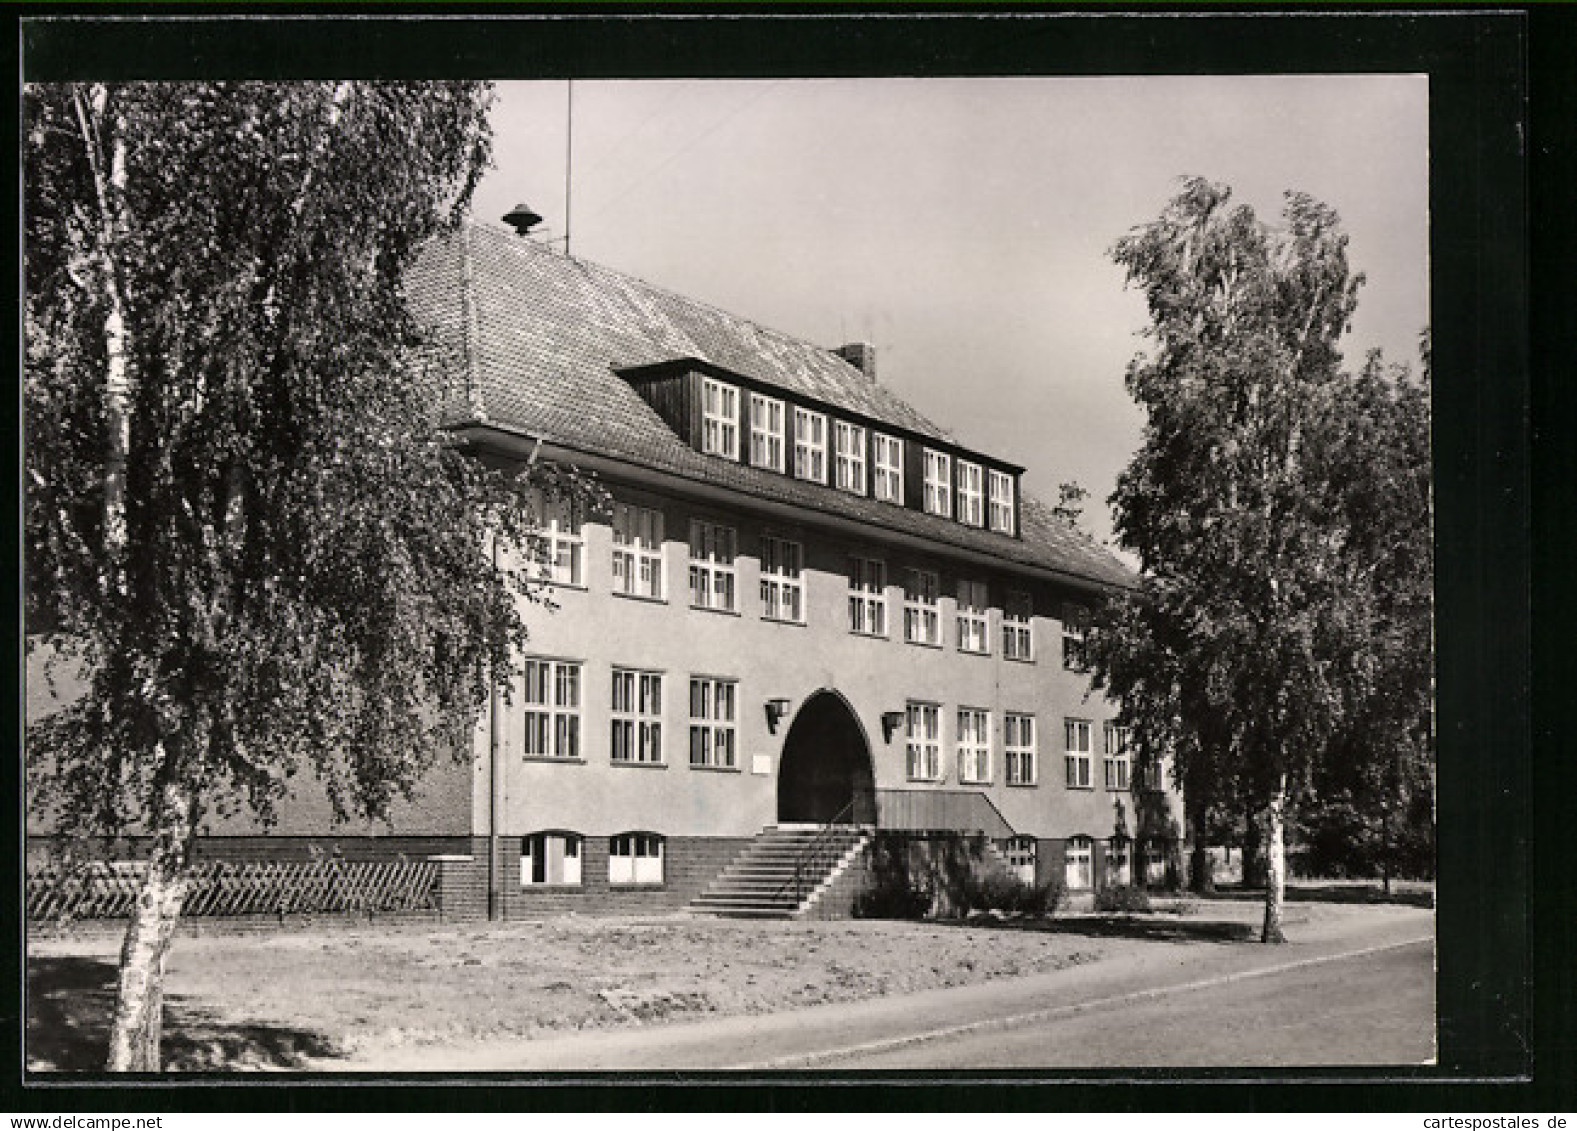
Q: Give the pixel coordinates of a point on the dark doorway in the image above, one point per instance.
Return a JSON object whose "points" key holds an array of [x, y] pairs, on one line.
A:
{"points": [[826, 765]]}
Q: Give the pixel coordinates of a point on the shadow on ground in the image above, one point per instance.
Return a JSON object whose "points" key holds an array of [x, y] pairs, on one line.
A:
{"points": [[1167, 929], [1159, 928], [1335, 893], [70, 1000]]}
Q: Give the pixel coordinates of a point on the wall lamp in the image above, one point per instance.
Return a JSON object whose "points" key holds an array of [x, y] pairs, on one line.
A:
{"points": [[891, 721], [776, 709]]}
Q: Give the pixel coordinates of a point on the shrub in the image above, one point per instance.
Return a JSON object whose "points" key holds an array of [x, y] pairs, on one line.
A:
{"points": [[889, 901], [1125, 898], [1012, 896], [1042, 901]]}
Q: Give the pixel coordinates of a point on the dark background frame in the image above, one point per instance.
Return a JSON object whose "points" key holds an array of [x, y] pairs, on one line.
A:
{"points": [[1504, 910]]}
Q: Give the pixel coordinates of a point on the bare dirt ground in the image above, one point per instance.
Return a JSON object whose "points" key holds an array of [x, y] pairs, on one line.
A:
{"points": [[313, 997]]}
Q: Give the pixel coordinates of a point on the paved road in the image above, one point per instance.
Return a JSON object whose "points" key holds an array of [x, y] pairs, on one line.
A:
{"points": [[1375, 1008], [1353, 990]]}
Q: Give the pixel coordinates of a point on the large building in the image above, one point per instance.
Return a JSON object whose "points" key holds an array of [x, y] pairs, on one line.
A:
{"points": [[806, 604]]}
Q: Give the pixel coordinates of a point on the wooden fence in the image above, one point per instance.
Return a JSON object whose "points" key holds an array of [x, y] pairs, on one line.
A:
{"points": [[108, 891]]}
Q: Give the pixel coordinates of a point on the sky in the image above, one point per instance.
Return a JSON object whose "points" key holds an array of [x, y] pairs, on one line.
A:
{"points": [[963, 226]]}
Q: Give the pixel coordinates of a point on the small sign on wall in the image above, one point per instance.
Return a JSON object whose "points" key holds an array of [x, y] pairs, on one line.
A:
{"points": [[761, 764]]}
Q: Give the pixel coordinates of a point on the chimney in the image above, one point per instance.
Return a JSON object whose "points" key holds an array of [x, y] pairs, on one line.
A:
{"points": [[861, 355]]}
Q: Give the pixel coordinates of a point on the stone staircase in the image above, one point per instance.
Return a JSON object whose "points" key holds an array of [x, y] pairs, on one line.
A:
{"points": [[759, 884]]}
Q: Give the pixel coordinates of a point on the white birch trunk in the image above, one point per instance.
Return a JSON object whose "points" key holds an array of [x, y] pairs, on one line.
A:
{"points": [[1276, 864], [109, 183], [138, 1023]]}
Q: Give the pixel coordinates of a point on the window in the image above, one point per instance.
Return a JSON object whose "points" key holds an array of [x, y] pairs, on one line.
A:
{"points": [[1075, 626], [1117, 760], [922, 622], [782, 587], [552, 709], [1001, 502], [561, 545], [637, 551], [719, 419], [711, 566], [972, 635], [1152, 776], [1119, 861], [810, 445], [550, 858], [766, 432], [1019, 748], [970, 494], [1076, 741], [1078, 876], [938, 483], [1020, 853], [867, 597], [635, 858], [850, 447], [1018, 643], [923, 734], [712, 722], [974, 746], [888, 460], [637, 717], [1155, 862]]}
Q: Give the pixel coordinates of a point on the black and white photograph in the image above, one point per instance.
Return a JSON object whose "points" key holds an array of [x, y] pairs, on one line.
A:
{"points": [[754, 574]]}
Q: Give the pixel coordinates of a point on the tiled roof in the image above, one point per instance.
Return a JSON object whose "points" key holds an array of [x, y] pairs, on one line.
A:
{"points": [[545, 334]]}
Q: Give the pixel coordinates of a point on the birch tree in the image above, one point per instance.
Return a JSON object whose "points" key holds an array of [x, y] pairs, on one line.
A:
{"points": [[243, 519], [1246, 646]]}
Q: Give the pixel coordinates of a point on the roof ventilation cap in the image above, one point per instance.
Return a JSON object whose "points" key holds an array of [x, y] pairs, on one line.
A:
{"points": [[522, 218]]}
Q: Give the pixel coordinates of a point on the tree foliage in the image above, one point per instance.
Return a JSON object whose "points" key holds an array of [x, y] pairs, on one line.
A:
{"points": [[243, 517], [1277, 511]]}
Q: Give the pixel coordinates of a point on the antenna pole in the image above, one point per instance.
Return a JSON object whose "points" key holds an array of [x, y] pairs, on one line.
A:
{"points": [[569, 153]]}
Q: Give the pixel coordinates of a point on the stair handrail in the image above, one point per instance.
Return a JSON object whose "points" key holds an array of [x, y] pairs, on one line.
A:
{"points": [[818, 843]]}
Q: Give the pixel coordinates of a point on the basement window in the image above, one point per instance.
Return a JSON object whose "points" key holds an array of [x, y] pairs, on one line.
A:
{"points": [[1078, 875], [1155, 862], [550, 859], [635, 858], [1020, 853], [1119, 861]]}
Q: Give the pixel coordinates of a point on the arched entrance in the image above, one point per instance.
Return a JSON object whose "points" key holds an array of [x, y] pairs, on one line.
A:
{"points": [[826, 764]]}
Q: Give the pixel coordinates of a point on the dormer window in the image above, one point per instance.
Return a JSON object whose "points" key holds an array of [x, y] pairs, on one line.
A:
{"points": [[810, 445], [971, 494], [888, 463], [1002, 518], [766, 432], [850, 456], [719, 419], [938, 483]]}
